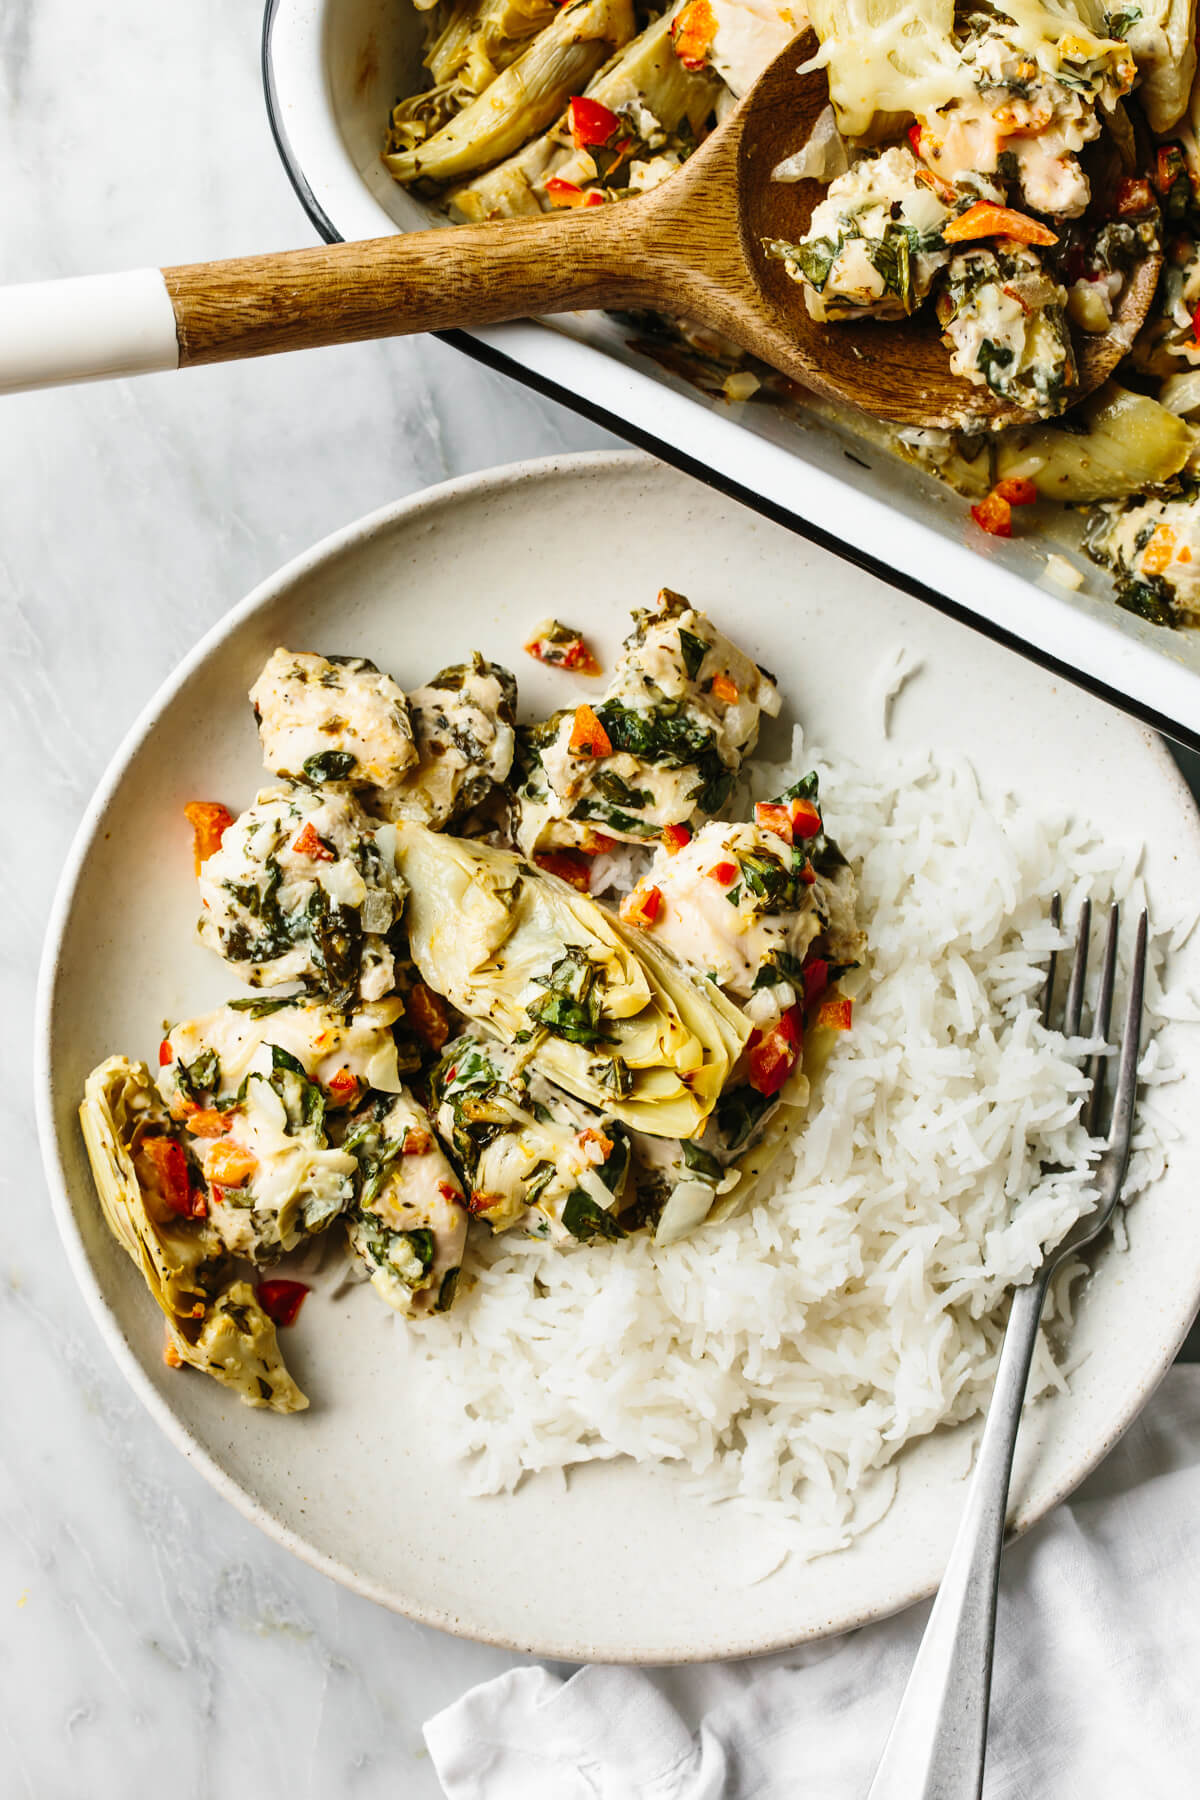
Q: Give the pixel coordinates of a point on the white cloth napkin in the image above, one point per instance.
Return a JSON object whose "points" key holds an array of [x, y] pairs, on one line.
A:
{"points": [[1096, 1692]]}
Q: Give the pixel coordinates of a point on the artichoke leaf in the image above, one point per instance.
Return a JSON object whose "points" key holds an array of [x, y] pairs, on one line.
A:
{"points": [[1162, 42], [214, 1324], [1131, 443], [647, 74], [477, 43], [488, 931], [526, 98]]}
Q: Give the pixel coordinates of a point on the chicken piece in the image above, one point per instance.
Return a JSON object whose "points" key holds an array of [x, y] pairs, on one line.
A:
{"points": [[1005, 320], [463, 720], [1028, 117], [1152, 545], [874, 244], [533, 1156], [331, 718], [681, 712], [304, 888], [204, 1061], [408, 1226]]}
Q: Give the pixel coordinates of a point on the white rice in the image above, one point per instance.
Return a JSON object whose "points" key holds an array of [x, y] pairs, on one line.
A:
{"points": [[785, 1357]]}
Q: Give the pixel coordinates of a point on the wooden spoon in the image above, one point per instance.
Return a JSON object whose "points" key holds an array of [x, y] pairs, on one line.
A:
{"points": [[691, 248]]}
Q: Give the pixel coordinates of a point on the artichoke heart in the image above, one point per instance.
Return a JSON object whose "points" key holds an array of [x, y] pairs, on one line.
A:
{"points": [[522, 954], [214, 1323], [526, 98], [646, 85]]}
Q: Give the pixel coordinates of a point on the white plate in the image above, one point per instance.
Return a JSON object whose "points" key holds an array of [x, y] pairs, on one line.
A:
{"points": [[332, 71], [622, 1566]]}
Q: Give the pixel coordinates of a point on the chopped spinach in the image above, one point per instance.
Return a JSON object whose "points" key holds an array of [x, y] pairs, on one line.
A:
{"points": [[604, 814], [447, 1290], [701, 1162], [814, 259], [587, 1221], [335, 933], [991, 359], [1119, 24], [891, 256], [1149, 598], [610, 784], [613, 1074], [262, 1007], [738, 1113], [770, 881], [303, 1100], [330, 765], [664, 734], [783, 966], [571, 1005], [200, 1076], [421, 1242], [694, 650]]}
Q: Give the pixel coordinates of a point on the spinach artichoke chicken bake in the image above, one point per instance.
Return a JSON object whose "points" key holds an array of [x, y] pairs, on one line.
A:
{"points": [[1008, 166], [546, 979]]}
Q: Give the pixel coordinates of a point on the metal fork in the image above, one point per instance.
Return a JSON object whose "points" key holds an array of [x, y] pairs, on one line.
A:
{"points": [[938, 1742]]}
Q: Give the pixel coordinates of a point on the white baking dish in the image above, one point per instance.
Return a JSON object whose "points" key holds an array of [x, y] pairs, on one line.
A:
{"points": [[333, 68]]}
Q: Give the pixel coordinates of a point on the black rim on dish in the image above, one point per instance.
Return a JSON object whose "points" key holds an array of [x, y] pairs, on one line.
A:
{"points": [[714, 478]]}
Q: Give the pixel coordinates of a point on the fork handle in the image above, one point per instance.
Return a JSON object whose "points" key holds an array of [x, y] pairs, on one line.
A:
{"points": [[937, 1745]]}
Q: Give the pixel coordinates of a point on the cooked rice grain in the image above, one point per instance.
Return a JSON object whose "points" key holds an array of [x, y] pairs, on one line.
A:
{"points": [[785, 1357]]}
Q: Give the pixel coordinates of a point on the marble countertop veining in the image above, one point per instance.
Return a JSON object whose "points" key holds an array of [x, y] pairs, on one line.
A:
{"points": [[149, 1634]]}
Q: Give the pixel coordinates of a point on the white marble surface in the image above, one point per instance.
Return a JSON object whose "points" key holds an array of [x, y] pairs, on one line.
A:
{"points": [[147, 1633]]}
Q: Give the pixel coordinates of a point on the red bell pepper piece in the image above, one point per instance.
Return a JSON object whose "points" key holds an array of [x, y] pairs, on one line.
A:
{"points": [[692, 34], [169, 1176], [209, 822], [986, 220], [309, 844], [642, 906], [676, 838], [281, 1300], [772, 1056], [771, 817], [588, 736], [994, 515], [343, 1087], [1017, 490], [816, 980], [569, 865], [590, 122], [230, 1165], [806, 820]]}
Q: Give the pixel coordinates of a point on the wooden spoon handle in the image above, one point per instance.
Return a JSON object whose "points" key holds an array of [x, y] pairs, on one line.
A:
{"points": [[419, 281]]}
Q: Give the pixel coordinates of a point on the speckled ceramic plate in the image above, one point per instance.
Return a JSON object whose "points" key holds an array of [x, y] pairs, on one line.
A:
{"points": [[621, 1566]]}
